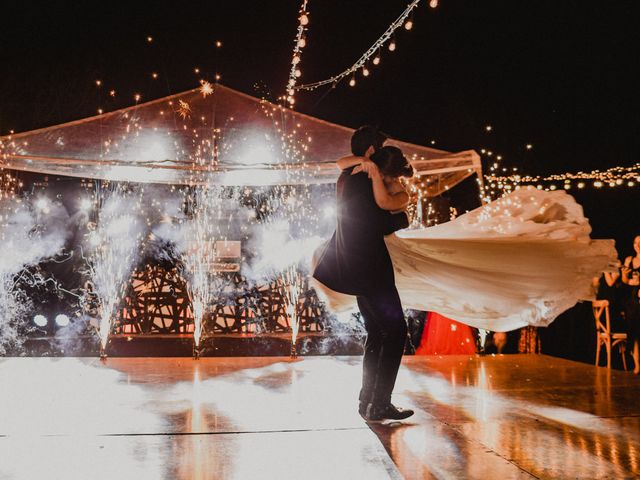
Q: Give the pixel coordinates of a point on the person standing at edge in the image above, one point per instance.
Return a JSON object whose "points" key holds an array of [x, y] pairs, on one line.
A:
{"points": [[355, 261]]}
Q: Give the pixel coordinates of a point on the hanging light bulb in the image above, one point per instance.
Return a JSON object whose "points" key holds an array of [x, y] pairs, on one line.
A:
{"points": [[304, 19], [433, 3], [352, 82], [302, 42], [376, 60], [298, 73], [365, 71], [408, 25], [392, 46]]}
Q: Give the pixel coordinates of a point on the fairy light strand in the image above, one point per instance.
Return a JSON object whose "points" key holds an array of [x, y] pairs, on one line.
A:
{"points": [[612, 177], [299, 43], [374, 49]]}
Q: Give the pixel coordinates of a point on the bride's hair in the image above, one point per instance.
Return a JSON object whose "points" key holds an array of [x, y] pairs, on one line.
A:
{"points": [[392, 163]]}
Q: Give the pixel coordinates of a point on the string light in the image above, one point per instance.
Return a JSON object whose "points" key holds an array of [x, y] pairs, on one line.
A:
{"points": [[612, 177], [365, 72], [373, 50], [218, 44], [352, 82], [299, 43], [408, 25], [149, 39], [433, 3]]}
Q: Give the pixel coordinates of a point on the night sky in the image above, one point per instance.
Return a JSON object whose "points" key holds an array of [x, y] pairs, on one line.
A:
{"points": [[556, 74]]}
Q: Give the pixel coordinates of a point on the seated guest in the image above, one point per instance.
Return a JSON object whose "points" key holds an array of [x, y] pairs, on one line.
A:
{"points": [[443, 336], [529, 340], [630, 279], [608, 287], [500, 341]]}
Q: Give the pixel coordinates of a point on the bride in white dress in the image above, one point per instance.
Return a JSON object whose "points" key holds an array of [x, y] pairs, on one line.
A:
{"points": [[520, 260]]}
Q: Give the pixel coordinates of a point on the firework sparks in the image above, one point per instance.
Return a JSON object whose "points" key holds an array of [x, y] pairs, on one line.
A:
{"points": [[184, 109], [27, 237], [115, 244], [200, 255], [206, 88]]}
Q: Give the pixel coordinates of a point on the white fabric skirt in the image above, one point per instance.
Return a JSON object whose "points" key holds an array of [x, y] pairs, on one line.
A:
{"points": [[521, 260]]}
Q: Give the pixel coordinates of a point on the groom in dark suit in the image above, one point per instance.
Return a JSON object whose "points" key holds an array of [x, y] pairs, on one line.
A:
{"points": [[356, 262]]}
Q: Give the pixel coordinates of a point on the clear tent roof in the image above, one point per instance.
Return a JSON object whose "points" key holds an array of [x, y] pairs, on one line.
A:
{"points": [[210, 135]]}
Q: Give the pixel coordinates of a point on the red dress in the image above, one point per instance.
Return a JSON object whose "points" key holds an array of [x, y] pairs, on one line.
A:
{"points": [[443, 336]]}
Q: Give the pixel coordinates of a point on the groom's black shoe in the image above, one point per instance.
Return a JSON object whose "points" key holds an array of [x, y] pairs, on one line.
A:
{"points": [[373, 413]]}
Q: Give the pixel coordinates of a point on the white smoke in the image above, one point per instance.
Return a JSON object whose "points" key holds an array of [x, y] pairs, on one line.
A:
{"points": [[30, 233], [115, 244]]}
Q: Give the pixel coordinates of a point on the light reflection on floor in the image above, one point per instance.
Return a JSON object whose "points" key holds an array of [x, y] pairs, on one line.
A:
{"points": [[519, 416]]}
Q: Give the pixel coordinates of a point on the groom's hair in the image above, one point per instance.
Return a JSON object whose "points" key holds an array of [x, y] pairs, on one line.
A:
{"points": [[365, 137]]}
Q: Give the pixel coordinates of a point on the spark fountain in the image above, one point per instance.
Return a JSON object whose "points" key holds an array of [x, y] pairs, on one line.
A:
{"points": [[31, 230], [292, 282], [289, 236], [206, 214], [115, 242]]}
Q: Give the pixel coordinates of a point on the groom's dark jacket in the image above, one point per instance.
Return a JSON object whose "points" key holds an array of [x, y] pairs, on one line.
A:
{"points": [[356, 261]]}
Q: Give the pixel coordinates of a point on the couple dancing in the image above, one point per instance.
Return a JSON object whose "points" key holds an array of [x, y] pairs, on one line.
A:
{"points": [[521, 260]]}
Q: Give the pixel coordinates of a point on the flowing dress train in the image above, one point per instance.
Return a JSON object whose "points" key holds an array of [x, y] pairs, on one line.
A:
{"points": [[520, 260]]}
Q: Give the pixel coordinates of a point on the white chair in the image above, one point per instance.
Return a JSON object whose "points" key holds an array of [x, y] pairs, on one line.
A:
{"points": [[604, 334]]}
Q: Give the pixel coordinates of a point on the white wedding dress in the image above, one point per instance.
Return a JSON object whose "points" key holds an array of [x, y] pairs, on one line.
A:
{"points": [[521, 260]]}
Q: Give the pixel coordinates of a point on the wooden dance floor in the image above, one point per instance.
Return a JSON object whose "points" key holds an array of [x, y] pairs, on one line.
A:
{"points": [[503, 417]]}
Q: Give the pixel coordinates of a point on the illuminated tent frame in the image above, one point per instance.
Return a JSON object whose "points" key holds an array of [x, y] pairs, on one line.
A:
{"points": [[210, 135]]}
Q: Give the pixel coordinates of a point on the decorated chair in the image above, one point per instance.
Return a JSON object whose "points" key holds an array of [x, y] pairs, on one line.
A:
{"points": [[604, 334]]}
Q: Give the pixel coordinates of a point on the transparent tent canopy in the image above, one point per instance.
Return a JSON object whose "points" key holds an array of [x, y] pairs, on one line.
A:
{"points": [[212, 135]]}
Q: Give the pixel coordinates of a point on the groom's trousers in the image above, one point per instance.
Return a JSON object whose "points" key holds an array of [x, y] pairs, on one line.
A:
{"points": [[386, 335]]}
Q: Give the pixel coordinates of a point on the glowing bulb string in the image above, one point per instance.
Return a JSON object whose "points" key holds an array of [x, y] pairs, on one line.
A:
{"points": [[374, 49], [299, 43], [613, 177]]}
